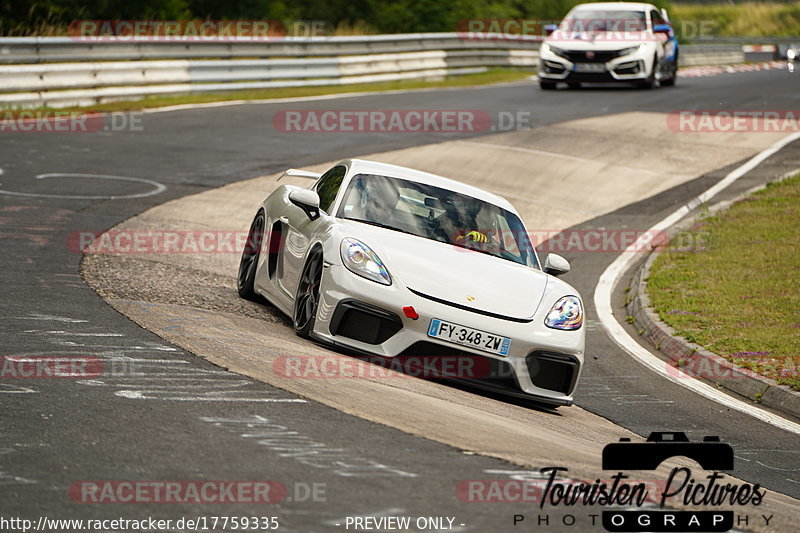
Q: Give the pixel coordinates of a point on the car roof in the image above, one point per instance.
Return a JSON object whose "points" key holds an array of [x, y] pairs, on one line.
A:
{"points": [[631, 6], [362, 166]]}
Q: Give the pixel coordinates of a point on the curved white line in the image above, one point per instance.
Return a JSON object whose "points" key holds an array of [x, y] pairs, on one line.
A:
{"points": [[609, 278], [158, 188]]}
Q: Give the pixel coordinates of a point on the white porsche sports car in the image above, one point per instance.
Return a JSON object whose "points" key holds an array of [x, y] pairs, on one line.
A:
{"points": [[388, 261]]}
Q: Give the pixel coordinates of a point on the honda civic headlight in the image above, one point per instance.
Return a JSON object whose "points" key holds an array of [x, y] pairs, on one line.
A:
{"points": [[565, 314], [360, 259], [554, 50], [631, 50]]}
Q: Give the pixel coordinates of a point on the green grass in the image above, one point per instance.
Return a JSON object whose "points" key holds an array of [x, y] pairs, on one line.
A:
{"points": [[732, 283], [746, 19], [492, 76]]}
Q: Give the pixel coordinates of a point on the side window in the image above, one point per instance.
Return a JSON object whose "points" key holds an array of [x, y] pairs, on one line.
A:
{"points": [[656, 18], [328, 185]]}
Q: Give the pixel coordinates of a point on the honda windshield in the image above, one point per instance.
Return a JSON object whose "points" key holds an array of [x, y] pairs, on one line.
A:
{"points": [[597, 21]]}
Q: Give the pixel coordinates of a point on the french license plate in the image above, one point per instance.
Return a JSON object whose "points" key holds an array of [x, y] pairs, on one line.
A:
{"points": [[474, 338], [590, 67]]}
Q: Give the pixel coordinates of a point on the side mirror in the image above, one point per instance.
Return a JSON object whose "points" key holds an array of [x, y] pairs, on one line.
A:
{"points": [[550, 28], [555, 265], [662, 28], [307, 200]]}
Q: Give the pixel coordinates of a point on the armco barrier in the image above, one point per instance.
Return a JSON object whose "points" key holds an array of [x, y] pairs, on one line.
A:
{"points": [[702, 55], [59, 71]]}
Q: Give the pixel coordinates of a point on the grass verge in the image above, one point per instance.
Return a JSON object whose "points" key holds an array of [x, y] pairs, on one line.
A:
{"points": [[492, 76], [745, 19], [735, 288]]}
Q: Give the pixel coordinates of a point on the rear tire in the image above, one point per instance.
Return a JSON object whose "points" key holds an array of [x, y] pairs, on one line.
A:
{"points": [[306, 301], [670, 82], [249, 261], [547, 85]]}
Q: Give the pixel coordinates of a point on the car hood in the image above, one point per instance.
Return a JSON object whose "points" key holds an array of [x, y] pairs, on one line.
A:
{"points": [[457, 275], [600, 41]]}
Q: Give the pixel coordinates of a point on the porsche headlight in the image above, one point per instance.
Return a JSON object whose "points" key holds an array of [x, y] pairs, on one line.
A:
{"points": [[631, 50], [565, 314], [361, 260]]}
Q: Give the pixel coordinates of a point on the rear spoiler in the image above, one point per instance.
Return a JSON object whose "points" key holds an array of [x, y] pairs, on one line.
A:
{"points": [[296, 173]]}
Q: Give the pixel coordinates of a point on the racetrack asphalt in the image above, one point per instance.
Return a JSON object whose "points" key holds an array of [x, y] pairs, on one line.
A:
{"points": [[59, 431]]}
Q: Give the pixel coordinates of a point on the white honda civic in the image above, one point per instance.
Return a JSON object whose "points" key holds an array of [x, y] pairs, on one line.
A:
{"points": [[392, 262], [618, 42]]}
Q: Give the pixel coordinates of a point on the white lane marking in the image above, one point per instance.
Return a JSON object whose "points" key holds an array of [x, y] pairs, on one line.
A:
{"points": [[555, 155], [291, 444], [158, 188], [69, 333], [14, 389], [793, 459], [49, 318], [209, 397], [10, 479], [609, 278]]}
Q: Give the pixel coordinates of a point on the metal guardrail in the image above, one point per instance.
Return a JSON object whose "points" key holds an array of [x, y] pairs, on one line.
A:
{"points": [[60, 71], [52, 49], [694, 55]]}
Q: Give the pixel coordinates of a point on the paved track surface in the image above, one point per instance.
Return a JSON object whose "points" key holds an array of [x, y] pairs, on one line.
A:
{"points": [[58, 431]]}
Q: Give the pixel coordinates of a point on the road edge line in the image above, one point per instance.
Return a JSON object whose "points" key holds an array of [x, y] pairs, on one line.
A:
{"points": [[614, 272]]}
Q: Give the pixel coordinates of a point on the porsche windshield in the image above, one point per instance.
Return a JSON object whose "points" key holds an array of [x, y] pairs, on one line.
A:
{"points": [[595, 21], [437, 214]]}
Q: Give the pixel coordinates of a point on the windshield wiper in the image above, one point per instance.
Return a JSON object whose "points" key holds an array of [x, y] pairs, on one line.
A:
{"points": [[381, 225]]}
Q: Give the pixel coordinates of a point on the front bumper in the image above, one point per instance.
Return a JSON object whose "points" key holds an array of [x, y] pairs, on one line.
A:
{"points": [[542, 363], [628, 68]]}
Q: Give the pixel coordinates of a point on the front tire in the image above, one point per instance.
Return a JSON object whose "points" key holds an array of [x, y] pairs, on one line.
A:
{"points": [[650, 82], [547, 85], [306, 301], [249, 261]]}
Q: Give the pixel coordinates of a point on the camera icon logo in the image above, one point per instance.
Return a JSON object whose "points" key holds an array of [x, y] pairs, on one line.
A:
{"points": [[711, 454]]}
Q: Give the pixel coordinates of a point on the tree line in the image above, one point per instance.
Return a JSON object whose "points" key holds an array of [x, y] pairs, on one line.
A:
{"points": [[52, 17]]}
